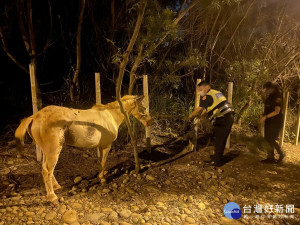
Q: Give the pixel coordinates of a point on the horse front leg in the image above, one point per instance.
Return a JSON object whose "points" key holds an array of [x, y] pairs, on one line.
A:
{"points": [[56, 185], [103, 156]]}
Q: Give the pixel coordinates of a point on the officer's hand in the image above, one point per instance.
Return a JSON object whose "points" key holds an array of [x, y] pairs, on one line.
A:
{"points": [[263, 119]]}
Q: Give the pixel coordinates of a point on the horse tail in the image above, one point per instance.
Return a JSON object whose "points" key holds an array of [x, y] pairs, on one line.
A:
{"points": [[21, 131]]}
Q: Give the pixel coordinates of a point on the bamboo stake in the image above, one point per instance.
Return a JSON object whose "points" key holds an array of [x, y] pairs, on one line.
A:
{"points": [[98, 98], [197, 103], [34, 105], [285, 107], [197, 94], [230, 91], [146, 98], [298, 126], [98, 88]]}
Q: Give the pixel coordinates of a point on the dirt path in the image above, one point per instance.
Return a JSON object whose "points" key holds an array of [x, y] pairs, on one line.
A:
{"points": [[185, 191]]}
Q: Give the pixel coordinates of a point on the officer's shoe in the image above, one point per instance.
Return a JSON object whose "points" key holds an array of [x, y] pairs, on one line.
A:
{"points": [[208, 161], [217, 164], [280, 158], [213, 163], [269, 160]]}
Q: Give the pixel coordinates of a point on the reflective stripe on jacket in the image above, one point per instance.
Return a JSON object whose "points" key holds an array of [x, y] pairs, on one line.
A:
{"points": [[220, 106]]}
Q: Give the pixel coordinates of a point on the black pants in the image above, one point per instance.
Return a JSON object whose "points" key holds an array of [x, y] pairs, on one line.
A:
{"points": [[221, 130], [272, 130]]}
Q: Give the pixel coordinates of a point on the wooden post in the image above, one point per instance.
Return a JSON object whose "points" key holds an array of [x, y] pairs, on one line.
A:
{"points": [[98, 98], [197, 102], [262, 129], [97, 88], [285, 107], [230, 91], [197, 94], [34, 105], [298, 126], [146, 97]]}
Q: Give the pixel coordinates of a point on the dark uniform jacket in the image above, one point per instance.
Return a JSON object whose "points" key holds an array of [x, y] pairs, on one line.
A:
{"points": [[274, 99], [215, 104]]}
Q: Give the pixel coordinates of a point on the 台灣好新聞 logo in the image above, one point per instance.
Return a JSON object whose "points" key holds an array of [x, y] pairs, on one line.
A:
{"points": [[232, 210]]}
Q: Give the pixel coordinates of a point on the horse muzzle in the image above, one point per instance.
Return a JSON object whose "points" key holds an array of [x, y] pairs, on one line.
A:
{"points": [[146, 120]]}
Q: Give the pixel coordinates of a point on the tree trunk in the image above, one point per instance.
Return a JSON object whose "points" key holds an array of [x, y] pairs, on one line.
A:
{"points": [[75, 83], [120, 79], [132, 78], [8, 53], [33, 53]]}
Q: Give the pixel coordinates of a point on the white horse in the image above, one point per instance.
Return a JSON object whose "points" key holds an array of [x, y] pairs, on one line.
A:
{"points": [[53, 126]]}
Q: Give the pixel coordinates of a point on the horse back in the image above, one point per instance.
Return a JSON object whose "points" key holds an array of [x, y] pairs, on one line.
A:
{"points": [[79, 128]]}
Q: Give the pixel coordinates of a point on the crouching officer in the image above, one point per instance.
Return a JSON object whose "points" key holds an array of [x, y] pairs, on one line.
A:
{"points": [[220, 114]]}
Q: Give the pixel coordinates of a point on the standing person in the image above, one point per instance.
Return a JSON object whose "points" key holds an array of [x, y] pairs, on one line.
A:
{"points": [[220, 114], [273, 119]]}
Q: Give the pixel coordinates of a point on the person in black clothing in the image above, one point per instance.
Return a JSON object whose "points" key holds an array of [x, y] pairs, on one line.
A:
{"points": [[273, 119], [220, 114]]}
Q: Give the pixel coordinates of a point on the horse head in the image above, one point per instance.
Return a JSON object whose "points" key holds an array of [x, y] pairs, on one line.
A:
{"points": [[140, 111]]}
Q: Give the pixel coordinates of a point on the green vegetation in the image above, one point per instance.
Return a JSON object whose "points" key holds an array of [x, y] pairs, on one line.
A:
{"points": [[241, 41]]}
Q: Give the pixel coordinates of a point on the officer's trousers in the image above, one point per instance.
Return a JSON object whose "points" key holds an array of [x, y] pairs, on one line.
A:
{"points": [[272, 130], [221, 129]]}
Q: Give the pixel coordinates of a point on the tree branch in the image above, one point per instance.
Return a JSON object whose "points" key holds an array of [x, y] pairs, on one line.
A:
{"points": [[234, 32], [134, 68], [22, 27], [5, 48], [120, 80], [75, 82]]}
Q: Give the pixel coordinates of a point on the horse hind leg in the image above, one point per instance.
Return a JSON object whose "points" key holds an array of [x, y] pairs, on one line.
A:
{"points": [[45, 174], [103, 156], [49, 164]]}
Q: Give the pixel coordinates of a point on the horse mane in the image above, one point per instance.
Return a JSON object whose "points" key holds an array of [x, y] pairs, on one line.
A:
{"points": [[114, 104]]}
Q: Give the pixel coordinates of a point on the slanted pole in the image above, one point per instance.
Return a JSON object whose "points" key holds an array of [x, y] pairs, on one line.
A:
{"points": [[298, 126], [98, 98], [285, 107], [197, 102], [229, 99], [146, 98], [197, 94], [34, 104]]}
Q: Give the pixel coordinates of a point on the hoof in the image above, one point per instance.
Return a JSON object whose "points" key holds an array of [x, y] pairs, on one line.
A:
{"points": [[102, 181], [55, 202], [56, 187], [52, 198]]}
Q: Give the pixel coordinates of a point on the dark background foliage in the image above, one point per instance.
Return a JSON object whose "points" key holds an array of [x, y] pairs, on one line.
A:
{"points": [[246, 42]]}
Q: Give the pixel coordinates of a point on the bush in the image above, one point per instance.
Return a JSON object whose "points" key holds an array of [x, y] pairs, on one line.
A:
{"points": [[290, 126]]}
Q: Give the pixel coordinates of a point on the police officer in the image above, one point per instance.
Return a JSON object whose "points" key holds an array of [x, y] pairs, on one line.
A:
{"points": [[273, 119], [220, 114]]}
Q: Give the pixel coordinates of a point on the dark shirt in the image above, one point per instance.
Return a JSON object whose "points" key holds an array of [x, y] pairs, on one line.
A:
{"points": [[206, 101], [274, 99]]}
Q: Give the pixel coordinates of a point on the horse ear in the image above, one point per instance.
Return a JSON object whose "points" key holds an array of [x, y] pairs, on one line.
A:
{"points": [[139, 98]]}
